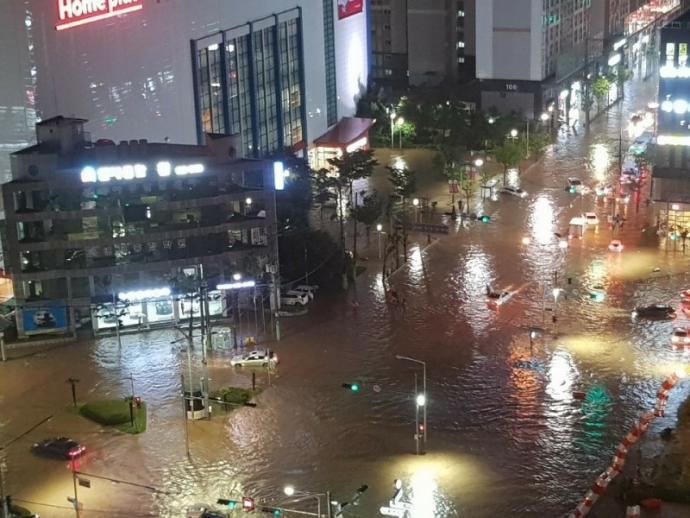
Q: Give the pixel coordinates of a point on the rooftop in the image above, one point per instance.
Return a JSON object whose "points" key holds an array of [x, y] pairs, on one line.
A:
{"points": [[346, 131]]}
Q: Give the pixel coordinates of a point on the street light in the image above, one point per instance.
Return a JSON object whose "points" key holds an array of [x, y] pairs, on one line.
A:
{"points": [[491, 120], [513, 133], [544, 117], [526, 240], [421, 400], [400, 123], [392, 117], [415, 203], [478, 162], [236, 276], [379, 231], [423, 364]]}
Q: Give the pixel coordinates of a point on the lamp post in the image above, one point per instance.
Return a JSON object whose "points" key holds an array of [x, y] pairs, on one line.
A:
{"points": [[400, 123], [247, 205], [513, 134], [392, 118], [415, 204], [379, 231], [423, 364]]}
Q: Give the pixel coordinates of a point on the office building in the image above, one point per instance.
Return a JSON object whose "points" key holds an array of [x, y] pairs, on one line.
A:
{"points": [[421, 42], [278, 73], [532, 54], [90, 222]]}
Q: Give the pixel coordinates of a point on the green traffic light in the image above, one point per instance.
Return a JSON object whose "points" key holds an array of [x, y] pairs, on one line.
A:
{"points": [[277, 512], [485, 219], [354, 387]]}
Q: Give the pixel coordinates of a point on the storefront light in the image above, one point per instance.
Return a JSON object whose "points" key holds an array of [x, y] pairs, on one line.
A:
{"points": [[680, 106], [139, 295], [671, 72], [614, 60], [667, 106], [164, 168], [675, 206], [673, 140], [619, 44]]}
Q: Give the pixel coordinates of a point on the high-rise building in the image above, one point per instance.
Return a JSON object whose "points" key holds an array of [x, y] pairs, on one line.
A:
{"points": [[92, 223], [671, 174], [279, 73], [417, 42], [531, 54]]}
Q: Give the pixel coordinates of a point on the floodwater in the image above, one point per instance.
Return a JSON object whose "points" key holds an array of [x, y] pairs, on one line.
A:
{"points": [[506, 434]]}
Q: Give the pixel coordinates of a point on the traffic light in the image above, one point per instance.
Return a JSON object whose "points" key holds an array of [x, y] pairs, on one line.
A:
{"points": [[276, 511], [232, 504], [354, 387], [484, 218], [421, 428]]}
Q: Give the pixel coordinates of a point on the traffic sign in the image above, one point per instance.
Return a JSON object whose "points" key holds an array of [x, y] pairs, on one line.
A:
{"points": [[429, 228]]}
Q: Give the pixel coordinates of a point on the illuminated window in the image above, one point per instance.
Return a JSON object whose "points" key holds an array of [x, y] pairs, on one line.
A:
{"points": [[670, 53], [682, 54], [329, 45]]}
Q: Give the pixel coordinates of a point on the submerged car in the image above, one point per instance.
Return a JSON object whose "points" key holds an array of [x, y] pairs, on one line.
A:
{"points": [[655, 311], [680, 336], [258, 358], [591, 218], [616, 246], [514, 191], [59, 448], [498, 298]]}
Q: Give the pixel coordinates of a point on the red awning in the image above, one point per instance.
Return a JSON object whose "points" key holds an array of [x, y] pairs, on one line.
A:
{"points": [[345, 132]]}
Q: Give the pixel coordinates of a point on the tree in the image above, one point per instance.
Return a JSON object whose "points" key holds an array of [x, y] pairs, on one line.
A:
{"points": [[538, 142], [403, 180], [322, 184], [350, 167], [600, 89], [484, 176], [312, 251], [369, 211], [508, 155], [468, 186]]}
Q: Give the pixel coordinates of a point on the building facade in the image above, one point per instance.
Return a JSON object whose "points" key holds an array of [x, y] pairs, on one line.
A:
{"points": [[88, 223], [671, 173], [533, 54], [418, 42], [280, 73]]}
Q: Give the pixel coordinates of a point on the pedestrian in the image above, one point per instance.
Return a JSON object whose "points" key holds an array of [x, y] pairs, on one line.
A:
{"points": [[403, 304]]}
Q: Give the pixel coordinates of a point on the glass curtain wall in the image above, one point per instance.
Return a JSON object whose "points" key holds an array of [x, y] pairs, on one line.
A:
{"points": [[263, 94]]}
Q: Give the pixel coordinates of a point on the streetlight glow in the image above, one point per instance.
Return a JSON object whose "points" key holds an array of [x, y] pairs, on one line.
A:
{"points": [[526, 240], [513, 133], [421, 400], [236, 276], [544, 117], [289, 490], [379, 227], [248, 201], [478, 162], [392, 115], [415, 202], [491, 120]]}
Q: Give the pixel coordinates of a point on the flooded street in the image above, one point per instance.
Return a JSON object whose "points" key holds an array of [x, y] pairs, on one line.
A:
{"points": [[506, 434]]}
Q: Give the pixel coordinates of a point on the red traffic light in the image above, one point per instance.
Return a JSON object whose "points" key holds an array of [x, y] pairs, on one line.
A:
{"points": [[248, 503], [421, 428]]}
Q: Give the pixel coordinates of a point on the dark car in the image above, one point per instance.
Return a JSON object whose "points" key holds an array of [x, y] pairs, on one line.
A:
{"points": [[59, 447], [655, 311]]}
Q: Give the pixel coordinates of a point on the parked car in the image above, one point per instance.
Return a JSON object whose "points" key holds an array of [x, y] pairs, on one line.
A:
{"points": [[574, 185], [654, 311], [59, 448], [310, 289], [294, 299], [258, 358]]}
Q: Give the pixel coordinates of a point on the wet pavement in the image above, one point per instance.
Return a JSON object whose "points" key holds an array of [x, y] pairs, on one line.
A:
{"points": [[507, 435]]}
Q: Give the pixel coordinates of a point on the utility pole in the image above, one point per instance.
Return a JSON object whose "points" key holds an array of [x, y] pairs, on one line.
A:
{"points": [[5, 507], [586, 80], [73, 382], [76, 499], [184, 410]]}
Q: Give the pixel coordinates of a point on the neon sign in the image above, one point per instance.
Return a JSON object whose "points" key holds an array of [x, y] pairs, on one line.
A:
{"points": [[90, 174], [73, 13]]}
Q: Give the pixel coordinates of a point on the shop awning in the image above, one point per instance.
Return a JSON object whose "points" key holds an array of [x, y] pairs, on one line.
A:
{"points": [[348, 131]]}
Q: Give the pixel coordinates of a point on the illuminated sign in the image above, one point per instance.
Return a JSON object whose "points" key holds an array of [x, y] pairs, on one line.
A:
{"points": [[72, 13], [236, 285], [278, 176], [139, 295], [349, 7], [90, 174], [673, 140], [671, 72]]}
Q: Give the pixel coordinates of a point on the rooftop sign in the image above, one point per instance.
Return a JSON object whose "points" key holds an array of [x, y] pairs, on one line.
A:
{"points": [[164, 169], [72, 13]]}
